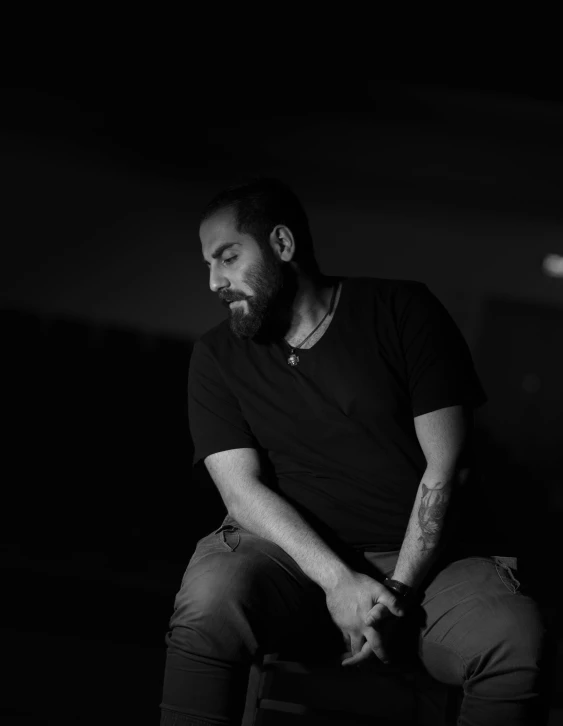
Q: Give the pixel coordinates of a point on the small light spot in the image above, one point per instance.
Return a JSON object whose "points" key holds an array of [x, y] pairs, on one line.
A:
{"points": [[553, 265]]}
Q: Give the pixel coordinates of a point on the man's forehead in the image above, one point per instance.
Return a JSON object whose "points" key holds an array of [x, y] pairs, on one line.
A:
{"points": [[218, 228]]}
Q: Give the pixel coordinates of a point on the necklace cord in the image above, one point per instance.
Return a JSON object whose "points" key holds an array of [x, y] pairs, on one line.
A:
{"points": [[297, 347]]}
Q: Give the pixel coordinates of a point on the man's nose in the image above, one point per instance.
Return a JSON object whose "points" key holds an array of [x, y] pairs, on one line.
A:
{"points": [[217, 281]]}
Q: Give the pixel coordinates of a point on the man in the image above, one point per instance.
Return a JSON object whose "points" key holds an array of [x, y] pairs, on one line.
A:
{"points": [[335, 416]]}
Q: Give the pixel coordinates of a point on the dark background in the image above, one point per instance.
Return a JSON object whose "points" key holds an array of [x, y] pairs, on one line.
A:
{"points": [[455, 184]]}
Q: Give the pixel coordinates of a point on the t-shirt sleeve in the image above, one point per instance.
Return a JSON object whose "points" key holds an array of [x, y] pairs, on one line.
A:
{"points": [[439, 365], [215, 418]]}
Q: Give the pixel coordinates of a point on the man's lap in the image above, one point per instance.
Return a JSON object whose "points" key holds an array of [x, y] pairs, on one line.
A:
{"points": [[462, 601]]}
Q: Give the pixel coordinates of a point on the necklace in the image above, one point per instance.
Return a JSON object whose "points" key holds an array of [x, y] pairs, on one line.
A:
{"points": [[293, 359]]}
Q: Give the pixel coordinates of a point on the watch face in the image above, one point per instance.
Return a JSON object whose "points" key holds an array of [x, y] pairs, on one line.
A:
{"points": [[398, 587]]}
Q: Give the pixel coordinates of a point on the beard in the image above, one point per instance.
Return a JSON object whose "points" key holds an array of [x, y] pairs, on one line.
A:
{"points": [[266, 315]]}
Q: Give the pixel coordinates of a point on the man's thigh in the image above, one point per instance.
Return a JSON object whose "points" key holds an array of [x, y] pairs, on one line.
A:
{"points": [[282, 604], [468, 606]]}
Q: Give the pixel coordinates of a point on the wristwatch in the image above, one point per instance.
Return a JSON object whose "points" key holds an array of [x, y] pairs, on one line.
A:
{"points": [[405, 592]]}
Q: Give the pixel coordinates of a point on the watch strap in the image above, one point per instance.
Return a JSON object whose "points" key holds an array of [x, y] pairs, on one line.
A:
{"points": [[404, 591]]}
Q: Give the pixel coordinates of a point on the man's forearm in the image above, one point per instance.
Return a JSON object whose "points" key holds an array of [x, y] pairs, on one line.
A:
{"points": [[265, 513], [429, 525]]}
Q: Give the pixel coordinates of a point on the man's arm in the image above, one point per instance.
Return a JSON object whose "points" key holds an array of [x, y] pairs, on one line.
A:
{"points": [[445, 437], [237, 473]]}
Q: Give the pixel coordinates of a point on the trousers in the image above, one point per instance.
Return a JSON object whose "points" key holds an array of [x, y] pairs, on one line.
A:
{"points": [[240, 594]]}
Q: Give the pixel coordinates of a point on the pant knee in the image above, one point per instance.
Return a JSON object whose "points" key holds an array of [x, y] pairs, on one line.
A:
{"points": [[525, 632], [206, 588], [211, 615], [514, 640]]}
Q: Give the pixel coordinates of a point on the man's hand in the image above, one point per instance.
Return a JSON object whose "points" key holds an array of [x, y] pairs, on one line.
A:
{"points": [[359, 605], [381, 625]]}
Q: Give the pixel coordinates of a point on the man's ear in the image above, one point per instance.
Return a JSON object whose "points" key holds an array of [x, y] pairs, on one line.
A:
{"points": [[281, 240]]}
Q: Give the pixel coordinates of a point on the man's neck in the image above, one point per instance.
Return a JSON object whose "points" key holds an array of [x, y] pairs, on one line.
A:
{"points": [[312, 312]]}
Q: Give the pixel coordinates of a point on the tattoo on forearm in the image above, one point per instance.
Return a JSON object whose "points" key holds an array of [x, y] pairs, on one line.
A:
{"points": [[431, 513]]}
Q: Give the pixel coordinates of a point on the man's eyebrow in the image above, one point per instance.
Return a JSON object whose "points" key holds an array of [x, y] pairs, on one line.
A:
{"points": [[219, 251]]}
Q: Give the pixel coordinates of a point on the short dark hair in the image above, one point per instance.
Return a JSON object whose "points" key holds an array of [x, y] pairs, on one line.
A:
{"points": [[261, 203]]}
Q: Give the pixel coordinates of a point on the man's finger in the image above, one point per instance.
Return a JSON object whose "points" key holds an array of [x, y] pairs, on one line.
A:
{"points": [[377, 613], [372, 646], [375, 642], [365, 654], [391, 602]]}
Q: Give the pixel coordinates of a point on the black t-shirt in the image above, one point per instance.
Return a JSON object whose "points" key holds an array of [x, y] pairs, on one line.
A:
{"points": [[336, 433]]}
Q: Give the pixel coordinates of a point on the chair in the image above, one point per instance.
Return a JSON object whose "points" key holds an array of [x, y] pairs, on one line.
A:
{"points": [[283, 690]]}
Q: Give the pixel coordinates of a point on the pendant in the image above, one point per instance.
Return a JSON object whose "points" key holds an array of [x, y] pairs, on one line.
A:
{"points": [[293, 360]]}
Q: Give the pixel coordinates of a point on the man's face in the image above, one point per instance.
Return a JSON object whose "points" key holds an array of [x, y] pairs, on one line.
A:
{"points": [[262, 286]]}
